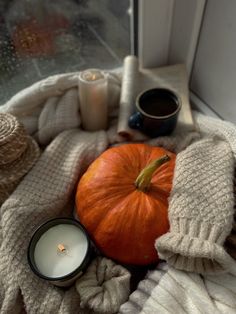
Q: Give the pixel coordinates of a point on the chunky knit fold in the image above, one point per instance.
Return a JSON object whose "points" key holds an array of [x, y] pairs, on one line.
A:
{"points": [[170, 291], [193, 248], [201, 209]]}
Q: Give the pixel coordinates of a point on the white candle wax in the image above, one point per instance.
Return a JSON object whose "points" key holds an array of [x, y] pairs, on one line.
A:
{"points": [[60, 250], [93, 96]]}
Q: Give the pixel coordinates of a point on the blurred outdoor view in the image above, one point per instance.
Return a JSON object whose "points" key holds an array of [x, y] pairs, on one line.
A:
{"points": [[39, 38]]}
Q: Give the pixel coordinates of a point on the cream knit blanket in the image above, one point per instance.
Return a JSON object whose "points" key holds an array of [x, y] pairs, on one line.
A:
{"points": [[43, 194], [46, 190]]}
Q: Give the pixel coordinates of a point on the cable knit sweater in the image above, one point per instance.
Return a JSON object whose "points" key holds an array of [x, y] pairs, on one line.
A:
{"points": [[201, 208]]}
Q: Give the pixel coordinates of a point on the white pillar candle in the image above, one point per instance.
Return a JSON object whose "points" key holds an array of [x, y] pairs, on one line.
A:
{"points": [[93, 96], [58, 251]]}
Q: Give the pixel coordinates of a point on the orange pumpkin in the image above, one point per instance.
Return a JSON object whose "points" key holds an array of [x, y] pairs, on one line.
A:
{"points": [[122, 200]]}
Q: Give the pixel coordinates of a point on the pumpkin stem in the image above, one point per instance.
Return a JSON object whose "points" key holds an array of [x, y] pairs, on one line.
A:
{"points": [[143, 180]]}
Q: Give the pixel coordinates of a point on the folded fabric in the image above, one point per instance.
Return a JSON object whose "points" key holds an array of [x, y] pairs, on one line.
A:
{"points": [[58, 114], [180, 292], [186, 292], [104, 286], [201, 208], [51, 106], [43, 194], [139, 297]]}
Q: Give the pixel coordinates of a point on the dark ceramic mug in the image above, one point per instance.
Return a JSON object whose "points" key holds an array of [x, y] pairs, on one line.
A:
{"points": [[157, 112]]}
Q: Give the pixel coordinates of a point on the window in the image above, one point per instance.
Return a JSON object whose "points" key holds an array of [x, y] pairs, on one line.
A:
{"points": [[39, 38], [213, 77]]}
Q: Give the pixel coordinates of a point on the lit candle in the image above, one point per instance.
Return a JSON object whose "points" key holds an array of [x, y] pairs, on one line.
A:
{"points": [[59, 251], [93, 96]]}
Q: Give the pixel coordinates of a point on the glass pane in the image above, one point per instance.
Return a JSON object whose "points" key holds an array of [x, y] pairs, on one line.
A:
{"points": [[39, 38]]}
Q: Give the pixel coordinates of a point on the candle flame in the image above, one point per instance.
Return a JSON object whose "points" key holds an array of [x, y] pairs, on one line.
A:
{"points": [[93, 77], [61, 247]]}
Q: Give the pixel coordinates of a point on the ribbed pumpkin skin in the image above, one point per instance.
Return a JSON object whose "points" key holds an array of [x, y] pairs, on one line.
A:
{"points": [[122, 220]]}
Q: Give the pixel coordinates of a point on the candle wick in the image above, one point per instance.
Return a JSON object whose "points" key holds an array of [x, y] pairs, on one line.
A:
{"points": [[61, 247]]}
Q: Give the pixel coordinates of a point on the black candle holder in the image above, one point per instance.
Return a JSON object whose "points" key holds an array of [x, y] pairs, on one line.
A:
{"points": [[68, 279]]}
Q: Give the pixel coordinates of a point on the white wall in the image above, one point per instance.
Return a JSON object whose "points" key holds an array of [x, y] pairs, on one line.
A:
{"points": [[214, 72]]}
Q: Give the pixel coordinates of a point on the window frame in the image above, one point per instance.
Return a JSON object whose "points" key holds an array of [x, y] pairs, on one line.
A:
{"points": [[167, 36]]}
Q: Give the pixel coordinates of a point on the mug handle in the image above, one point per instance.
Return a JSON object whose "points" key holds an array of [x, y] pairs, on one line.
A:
{"points": [[136, 121]]}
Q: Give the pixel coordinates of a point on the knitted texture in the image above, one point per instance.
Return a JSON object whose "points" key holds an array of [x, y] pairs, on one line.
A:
{"points": [[139, 297], [104, 287], [51, 106], [45, 191], [43, 194], [179, 291], [173, 291], [58, 114], [201, 208]]}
